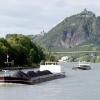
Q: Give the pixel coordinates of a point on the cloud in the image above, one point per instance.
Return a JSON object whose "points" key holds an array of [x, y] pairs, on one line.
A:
{"points": [[33, 16]]}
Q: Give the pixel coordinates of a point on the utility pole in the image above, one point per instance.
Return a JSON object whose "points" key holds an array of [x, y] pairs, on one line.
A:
{"points": [[7, 58]]}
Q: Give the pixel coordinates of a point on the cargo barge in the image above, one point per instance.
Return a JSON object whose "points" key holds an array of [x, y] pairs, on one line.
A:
{"points": [[46, 73]]}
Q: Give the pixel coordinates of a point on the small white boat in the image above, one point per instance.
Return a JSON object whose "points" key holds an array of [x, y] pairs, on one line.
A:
{"points": [[82, 65]]}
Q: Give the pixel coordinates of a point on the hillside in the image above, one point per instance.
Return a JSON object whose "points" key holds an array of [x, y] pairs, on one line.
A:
{"points": [[72, 31]]}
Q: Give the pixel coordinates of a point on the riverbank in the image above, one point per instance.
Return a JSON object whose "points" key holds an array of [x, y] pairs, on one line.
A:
{"points": [[15, 68]]}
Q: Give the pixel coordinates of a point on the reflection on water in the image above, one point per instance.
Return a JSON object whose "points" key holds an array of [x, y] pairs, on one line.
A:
{"points": [[78, 85]]}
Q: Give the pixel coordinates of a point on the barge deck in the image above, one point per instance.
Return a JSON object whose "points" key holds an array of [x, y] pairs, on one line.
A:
{"points": [[31, 81]]}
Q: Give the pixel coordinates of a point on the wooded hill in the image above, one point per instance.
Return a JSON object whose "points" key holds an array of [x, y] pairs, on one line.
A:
{"points": [[79, 29]]}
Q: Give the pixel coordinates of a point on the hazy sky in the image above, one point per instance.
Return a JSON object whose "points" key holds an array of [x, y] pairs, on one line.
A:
{"points": [[33, 16]]}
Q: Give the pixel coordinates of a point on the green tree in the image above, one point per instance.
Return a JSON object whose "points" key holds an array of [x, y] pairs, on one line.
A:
{"points": [[19, 55], [21, 50]]}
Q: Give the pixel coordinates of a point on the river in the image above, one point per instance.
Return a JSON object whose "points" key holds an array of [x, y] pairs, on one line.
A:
{"points": [[78, 85]]}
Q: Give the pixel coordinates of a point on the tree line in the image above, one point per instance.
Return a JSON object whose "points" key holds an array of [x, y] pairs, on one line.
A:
{"points": [[19, 50]]}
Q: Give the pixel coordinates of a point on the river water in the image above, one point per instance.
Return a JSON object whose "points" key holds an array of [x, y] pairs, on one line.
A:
{"points": [[78, 85]]}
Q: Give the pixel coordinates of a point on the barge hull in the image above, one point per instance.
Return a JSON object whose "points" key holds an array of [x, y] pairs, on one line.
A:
{"points": [[31, 81], [45, 78]]}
